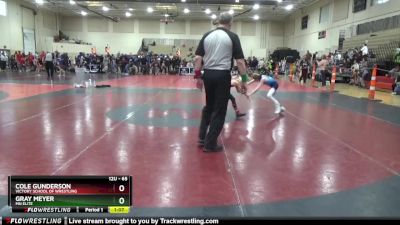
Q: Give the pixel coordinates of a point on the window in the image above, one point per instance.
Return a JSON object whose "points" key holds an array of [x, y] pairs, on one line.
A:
{"points": [[359, 5], [324, 14], [3, 8], [377, 2], [304, 22]]}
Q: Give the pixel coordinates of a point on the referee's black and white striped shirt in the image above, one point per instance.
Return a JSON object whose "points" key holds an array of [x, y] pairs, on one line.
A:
{"points": [[218, 48]]}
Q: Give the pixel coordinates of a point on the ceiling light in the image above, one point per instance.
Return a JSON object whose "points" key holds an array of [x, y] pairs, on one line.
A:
{"points": [[289, 7], [237, 1], [130, 9], [213, 16], [166, 15], [150, 10], [105, 8], [128, 14], [183, 0], [207, 11], [83, 13], [279, 1], [186, 10], [256, 6], [231, 11], [256, 17], [40, 2], [72, 2]]}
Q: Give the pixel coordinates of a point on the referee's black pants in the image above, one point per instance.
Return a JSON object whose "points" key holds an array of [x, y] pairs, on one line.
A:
{"points": [[217, 84], [49, 69]]}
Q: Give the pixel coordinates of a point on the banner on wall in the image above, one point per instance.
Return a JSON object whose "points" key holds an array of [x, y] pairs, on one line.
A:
{"points": [[322, 34], [29, 41], [186, 71]]}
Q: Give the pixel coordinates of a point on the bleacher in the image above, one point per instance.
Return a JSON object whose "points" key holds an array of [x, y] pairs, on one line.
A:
{"points": [[374, 39], [383, 45], [162, 49], [167, 46]]}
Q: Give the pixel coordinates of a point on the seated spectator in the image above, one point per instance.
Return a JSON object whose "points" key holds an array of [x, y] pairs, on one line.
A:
{"points": [[395, 73]]}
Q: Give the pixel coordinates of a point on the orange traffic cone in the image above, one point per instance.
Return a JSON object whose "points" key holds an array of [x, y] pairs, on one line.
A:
{"points": [[313, 76], [276, 71], [291, 73], [333, 79], [371, 93]]}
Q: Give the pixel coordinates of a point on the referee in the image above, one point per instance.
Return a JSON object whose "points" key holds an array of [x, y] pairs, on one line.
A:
{"points": [[215, 55]]}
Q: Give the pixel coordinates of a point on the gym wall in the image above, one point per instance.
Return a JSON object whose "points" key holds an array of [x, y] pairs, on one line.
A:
{"points": [[125, 36], [341, 18], [257, 37], [44, 23]]}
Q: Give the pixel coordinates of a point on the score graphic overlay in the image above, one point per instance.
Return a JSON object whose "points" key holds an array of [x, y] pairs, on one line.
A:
{"points": [[70, 194]]}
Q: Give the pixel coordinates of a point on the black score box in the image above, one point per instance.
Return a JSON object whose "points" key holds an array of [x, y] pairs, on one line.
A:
{"points": [[69, 191]]}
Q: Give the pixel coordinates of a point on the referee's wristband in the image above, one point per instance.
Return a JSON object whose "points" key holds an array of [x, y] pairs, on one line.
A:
{"points": [[244, 77], [197, 74]]}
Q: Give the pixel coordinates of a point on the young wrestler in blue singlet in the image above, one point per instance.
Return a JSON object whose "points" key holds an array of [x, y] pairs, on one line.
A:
{"points": [[273, 84]]}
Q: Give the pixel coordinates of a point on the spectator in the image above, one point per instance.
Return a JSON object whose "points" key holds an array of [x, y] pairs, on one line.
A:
{"points": [[364, 51], [3, 61], [323, 64], [305, 68], [355, 68], [314, 56], [395, 73], [308, 56], [254, 64], [365, 74]]}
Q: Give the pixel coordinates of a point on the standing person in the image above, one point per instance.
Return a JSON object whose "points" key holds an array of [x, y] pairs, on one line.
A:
{"points": [[364, 51], [355, 68], [305, 67], [323, 64], [395, 73], [308, 56], [216, 50], [3, 61], [314, 56], [49, 65]]}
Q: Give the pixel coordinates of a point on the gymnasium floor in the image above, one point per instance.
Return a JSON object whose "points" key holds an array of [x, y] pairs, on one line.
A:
{"points": [[329, 155]]}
